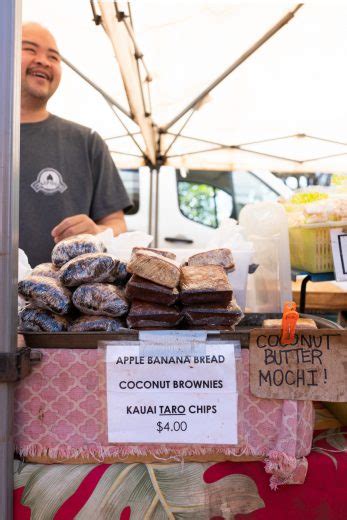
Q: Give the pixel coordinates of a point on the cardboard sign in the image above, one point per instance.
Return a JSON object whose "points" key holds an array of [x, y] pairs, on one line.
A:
{"points": [[339, 248], [176, 395], [313, 367]]}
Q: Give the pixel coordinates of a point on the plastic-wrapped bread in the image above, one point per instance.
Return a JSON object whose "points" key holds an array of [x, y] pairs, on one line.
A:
{"points": [[46, 293], [95, 324], [202, 284], [213, 315], [161, 252], [91, 268], [144, 314], [154, 267], [100, 299], [120, 275], [222, 256], [46, 269], [75, 246], [141, 289], [302, 323], [32, 319]]}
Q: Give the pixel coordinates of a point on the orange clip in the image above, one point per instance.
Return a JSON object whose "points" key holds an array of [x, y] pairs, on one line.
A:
{"points": [[289, 319]]}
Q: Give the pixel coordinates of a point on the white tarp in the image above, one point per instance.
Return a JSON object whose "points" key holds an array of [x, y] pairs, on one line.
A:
{"points": [[294, 84]]}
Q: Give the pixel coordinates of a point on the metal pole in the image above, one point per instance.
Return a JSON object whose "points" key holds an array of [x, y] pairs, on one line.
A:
{"points": [[236, 64], [150, 202], [10, 20], [156, 214], [104, 94]]}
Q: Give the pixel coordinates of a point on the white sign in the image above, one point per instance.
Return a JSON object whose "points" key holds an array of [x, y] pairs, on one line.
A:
{"points": [[181, 394], [339, 249]]}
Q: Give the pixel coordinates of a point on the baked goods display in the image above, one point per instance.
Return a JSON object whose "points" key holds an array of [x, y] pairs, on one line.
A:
{"points": [[46, 293], [91, 267], [101, 299], [46, 269], [222, 256], [76, 246], [213, 315], [87, 289], [96, 324], [41, 320], [155, 267], [302, 323], [204, 284], [141, 289]]}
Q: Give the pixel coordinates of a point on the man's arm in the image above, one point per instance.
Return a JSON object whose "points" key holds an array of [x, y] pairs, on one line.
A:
{"points": [[115, 221], [77, 224]]}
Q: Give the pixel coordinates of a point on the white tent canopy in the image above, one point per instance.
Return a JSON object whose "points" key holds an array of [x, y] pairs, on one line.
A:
{"points": [[283, 108]]}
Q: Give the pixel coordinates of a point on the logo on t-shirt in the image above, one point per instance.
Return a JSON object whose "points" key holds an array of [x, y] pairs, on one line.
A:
{"points": [[49, 181]]}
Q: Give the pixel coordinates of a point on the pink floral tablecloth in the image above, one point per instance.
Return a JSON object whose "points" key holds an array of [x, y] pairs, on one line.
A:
{"points": [[60, 413]]}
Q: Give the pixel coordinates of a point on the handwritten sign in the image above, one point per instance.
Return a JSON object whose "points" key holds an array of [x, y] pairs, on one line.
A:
{"points": [[178, 395], [313, 367]]}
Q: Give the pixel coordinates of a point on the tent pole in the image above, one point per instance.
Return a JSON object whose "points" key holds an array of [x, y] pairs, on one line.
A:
{"points": [[153, 207], [10, 20], [222, 147], [126, 129], [104, 94], [121, 136], [150, 202], [156, 214], [127, 154], [236, 64], [178, 133]]}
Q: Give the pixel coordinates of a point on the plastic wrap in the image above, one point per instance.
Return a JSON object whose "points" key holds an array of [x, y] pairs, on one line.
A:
{"points": [[144, 314], [140, 289], [100, 299], [90, 268], [24, 270], [161, 252], [40, 320], [302, 323], [96, 323], [120, 275], [222, 257], [47, 269], [213, 315], [202, 284], [46, 293], [75, 246], [154, 267]]}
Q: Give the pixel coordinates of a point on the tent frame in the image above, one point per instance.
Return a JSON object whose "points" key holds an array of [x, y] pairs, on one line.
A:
{"points": [[161, 156], [259, 43]]}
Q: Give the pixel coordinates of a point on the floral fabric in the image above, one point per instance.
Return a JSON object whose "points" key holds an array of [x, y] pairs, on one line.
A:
{"points": [[200, 491], [60, 413]]}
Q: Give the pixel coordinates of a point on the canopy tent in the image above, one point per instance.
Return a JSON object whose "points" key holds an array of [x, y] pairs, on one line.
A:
{"points": [[282, 108]]}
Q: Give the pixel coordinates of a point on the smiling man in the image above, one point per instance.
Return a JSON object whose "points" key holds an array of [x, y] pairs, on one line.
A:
{"points": [[68, 181]]}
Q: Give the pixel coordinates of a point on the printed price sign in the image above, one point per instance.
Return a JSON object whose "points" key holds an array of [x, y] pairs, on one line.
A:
{"points": [[313, 367], [174, 395]]}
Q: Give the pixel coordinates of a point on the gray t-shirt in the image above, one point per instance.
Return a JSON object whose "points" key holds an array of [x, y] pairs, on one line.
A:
{"points": [[65, 169]]}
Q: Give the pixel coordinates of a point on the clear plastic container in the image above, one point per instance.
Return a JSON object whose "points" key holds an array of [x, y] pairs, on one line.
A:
{"points": [[266, 225]]}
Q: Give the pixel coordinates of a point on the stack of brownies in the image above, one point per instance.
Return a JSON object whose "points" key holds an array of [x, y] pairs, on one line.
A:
{"points": [[152, 289], [159, 285], [206, 293]]}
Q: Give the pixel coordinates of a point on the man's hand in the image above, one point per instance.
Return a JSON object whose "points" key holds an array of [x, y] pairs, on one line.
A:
{"points": [[74, 225], [78, 224]]}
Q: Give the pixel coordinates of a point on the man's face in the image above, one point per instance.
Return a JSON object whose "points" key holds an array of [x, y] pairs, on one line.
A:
{"points": [[41, 64]]}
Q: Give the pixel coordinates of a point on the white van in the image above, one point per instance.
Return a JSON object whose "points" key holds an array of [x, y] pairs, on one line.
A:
{"points": [[183, 208]]}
